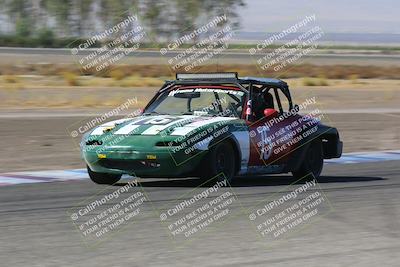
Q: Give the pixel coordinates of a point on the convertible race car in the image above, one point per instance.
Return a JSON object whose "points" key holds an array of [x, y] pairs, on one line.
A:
{"points": [[213, 125]]}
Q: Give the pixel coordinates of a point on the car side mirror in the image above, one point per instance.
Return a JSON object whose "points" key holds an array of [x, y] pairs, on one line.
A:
{"points": [[270, 112]]}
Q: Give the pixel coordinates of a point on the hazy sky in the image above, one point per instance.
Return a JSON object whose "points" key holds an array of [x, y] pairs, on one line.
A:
{"points": [[364, 16]]}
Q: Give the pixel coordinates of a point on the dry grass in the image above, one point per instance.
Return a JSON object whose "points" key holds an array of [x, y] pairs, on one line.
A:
{"points": [[136, 81], [355, 79], [296, 71], [307, 81], [34, 77], [71, 78], [378, 93], [130, 81], [117, 74], [10, 78], [89, 101], [11, 83]]}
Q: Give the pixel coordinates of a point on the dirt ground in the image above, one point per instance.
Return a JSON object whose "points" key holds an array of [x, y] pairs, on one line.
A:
{"points": [[36, 122], [340, 94]]}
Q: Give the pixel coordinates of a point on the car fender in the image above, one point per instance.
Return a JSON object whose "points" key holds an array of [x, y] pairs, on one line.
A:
{"points": [[240, 141]]}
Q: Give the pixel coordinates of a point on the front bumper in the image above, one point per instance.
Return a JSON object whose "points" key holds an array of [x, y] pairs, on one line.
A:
{"points": [[160, 163]]}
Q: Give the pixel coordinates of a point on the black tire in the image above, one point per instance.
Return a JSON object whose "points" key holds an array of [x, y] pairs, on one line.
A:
{"points": [[103, 178], [219, 160], [313, 161]]}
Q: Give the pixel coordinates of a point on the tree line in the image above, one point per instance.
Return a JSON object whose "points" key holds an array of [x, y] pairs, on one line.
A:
{"points": [[48, 20]]}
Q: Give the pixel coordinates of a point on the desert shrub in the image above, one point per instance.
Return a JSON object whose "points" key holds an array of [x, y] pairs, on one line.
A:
{"points": [[117, 74], [71, 78], [10, 79], [307, 81]]}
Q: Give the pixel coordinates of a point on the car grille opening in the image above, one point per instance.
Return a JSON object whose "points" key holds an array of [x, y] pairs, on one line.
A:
{"points": [[168, 144], [94, 143], [128, 165]]}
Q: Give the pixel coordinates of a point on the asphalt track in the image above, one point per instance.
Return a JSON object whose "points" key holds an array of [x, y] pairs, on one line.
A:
{"points": [[361, 228], [63, 55]]}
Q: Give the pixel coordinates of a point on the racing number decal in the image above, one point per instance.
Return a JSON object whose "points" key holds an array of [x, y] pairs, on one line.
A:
{"points": [[269, 144], [158, 121], [265, 147]]}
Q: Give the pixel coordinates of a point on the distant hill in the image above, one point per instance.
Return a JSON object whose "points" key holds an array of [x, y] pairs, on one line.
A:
{"points": [[329, 38]]}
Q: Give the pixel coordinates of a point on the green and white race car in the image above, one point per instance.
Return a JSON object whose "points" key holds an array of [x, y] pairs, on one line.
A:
{"points": [[212, 125]]}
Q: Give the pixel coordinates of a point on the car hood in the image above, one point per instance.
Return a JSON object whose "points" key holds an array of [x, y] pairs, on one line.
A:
{"points": [[161, 125]]}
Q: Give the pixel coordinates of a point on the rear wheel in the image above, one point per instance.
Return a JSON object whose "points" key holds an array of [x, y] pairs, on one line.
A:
{"points": [[313, 161], [103, 178], [219, 163]]}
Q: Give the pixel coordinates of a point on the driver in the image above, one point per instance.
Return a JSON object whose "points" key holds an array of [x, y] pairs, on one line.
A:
{"points": [[263, 100], [268, 100]]}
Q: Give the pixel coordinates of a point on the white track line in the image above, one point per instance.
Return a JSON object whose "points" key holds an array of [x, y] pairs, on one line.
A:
{"points": [[81, 174]]}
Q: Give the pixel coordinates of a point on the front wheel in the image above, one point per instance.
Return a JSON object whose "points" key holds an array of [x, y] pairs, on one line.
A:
{"points": [[103, 178], [313, 161], [219, 163]]}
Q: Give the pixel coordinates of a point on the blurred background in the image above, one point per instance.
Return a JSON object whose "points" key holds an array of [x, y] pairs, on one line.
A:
{"points": [[51, 74], [66, 64]]}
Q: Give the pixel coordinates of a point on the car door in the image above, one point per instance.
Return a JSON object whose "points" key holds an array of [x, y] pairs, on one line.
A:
{"points": [[270, 138]]}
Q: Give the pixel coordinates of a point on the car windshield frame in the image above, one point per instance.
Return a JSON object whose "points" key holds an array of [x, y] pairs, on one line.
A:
{"points": [[221, 96]]}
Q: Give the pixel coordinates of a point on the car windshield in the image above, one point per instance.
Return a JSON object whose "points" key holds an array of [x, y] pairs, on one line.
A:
{"points": [[199, 101]]}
